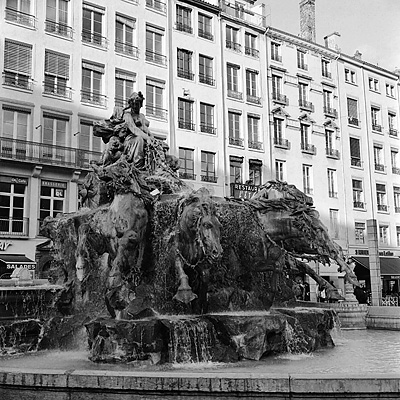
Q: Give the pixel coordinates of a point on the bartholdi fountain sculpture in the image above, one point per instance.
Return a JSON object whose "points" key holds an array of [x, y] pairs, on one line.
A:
{"points": [[159, 272]]}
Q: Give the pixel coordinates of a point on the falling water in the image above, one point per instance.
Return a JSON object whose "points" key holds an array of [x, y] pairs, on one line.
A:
{"points": [[294, 340]]}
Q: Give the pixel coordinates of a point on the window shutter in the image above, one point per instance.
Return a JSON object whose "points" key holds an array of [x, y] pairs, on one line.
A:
{"points": [[126, 21], [56, 64], [18, 57], [355, 148], [352, 108], [156, 83], [126, 76], [93, 67]]}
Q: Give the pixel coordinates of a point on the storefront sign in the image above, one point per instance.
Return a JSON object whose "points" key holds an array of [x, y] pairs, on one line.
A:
{"points": [[27, 266], [4, 245], [53, 184], [381, 253], [243, 191], [394, 276], [14, 179]]}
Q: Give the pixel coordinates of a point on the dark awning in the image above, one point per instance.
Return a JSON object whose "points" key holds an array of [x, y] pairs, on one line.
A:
{"points": [[13, 261], [389, 265]]}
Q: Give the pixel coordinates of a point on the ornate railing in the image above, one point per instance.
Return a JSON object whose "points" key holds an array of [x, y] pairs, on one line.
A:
{"points": [[308, 148], [184, 73], [94, 38], [233, 45], [376, 127], [209, 178], [58, 29], [308, 190], [127, 48], [396, 170], [358, 204], [333, 194], [186, 124], [57, 90], [250, 51], [280, 98], [156, 112], [93, 98], [236, 141], [379, 167], [234, 94], [253, 99], [353, 121], [180, 26], [156, 57], [14, 227], [276, 57], [303, 66], [306, 105], [157, 5], [326, 74], [187, 175], [20, 17], [208, 128], [330, 112], [333, 153], [356, 162], [255, 145], [282, 143], [382, 207], [207, 79], [206, 35], [393, 132], [17, 80]]}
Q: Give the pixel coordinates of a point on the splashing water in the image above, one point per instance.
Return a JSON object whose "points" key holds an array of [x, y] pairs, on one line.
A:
{"points": [[294, 341]]}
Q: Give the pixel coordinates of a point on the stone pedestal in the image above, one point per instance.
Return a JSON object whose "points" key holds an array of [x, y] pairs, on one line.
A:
{"points": [[349, 295]]}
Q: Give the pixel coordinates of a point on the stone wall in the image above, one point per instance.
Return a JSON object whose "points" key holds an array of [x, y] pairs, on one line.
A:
{"points": [[383, 318]]}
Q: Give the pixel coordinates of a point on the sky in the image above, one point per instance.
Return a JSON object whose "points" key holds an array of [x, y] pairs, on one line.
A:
{"points": [[370, 26]]}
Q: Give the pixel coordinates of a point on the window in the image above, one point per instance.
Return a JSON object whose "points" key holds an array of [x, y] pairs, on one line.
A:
{"points": [[303, 97], [154, 45], [12, 204], [396, 198], [52, 197], [349, 76], [185, 114], [301, 60], [279, 139], [208, 167], [251, 86], [250, 43], [378, 158], [232, 38], [57, 18], [390, 90], [92, 25], [352, 110], [234, 128], [158, 5], [384, 234], [277, 88], [359, 232], [355, 152], [186, 167], [54, 137], [124, 35], [155, 98], [334, 223], [253, 122], [275, 52], [280, 170], [185, 64], [20, 11], [255, 173], [87, 142], [376, 118], [207, 118], [124, 84], [394, 158], [358, 194], [325, 66], [332, 189], [17, 64], [205, 27], [392, 124], [328, 104], [306, 146], [184, 19], [92, 83], [233, 81], [381, 197], [307, 179], [373, 84], [15, 126], [206, 74], [56, 74], [235, 171], [330, 144]]}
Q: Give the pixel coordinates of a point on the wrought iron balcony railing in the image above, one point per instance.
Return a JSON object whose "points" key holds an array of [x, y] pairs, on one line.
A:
{"points": [[207, 79], [157, 5], [208, 129], [58, 29], [156, 112], [397, 209], [156, 57], [20, 17], [94, 98], [187, 175], [57, 90], [180, 26], [396, 170], [356, 162], [20, 81], [14, 227], [326, 74], [333, 153], [236, 141], [205, 34], [308, 148], [233, 45], [94, 38], [186, 124], [376, 127], [24, 151], [209, 178], [333, 194], [303, 66], [234, 94], [280, 98], [250, 51], [330, 112], [253, 99], [306, 105], [255, 145], [186, 74], [393, 132], [126, 48], [380, 167], [358, 204], [383, 207], [353, 121], [282, 143], [120, 102], [308, 190], [276, 57]]}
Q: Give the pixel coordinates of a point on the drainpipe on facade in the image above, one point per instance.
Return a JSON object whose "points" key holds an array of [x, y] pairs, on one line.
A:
{"points": [[171, 95]]}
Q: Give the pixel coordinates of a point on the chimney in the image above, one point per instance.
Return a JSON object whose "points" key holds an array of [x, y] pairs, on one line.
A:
{"points": [[307, 20], [332, 41]]}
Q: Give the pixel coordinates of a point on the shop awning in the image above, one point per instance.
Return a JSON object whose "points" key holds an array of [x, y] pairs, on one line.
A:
{"points": [[389, 265], [13, 261]]}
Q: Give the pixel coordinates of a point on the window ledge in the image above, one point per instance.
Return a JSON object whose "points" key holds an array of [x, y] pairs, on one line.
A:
{"points": [[351, 83], [69, 39], [19, 89], [54, 96], [32, 28], [94, 46]]}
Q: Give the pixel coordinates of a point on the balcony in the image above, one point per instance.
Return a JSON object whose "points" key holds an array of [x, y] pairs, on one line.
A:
{"points": [[58, 29], [157, 5], [233, 46], [255, 145], [397, 210], [280, 98], [180, 26], [156, 57], [250, 51], [308, 190], [235, 95], [333, 195], [16, 80], [32, 152], [276, 57], [383, 207], [356, 162], [253, 99], [303, 66], [359, 204], [187, 175], [333, 153], [326, 74], [330, 112], [236, 141], [393, 132], [183, 73], [186, 125], [353, 121], [156, 112], [209, 178], [282, 143], [57, 90], [396, 170], [379, 167], [94, 38], [20, 17], [205, 34], [97, 99], [377, 128], [243, 13], [306, 105], [208, 129], [14, 227], [127, 49], [207, 79], [308, 149]]}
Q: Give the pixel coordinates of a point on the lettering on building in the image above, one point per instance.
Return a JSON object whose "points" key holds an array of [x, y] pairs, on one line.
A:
{"points": [[4, 244]]}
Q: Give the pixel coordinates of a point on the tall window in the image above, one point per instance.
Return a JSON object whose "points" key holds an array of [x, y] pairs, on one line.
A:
{"points": [[378, 158], [276, 51], [206, 74], [56, 74], [349, 76], [232, 38], [276, 87], [376, 119], [52, 198], [184, 19], [352, 110], [124, 84], [373, 84], [384, 234], [207, 118], [185, 114], [250, 43], [154, 45], [390, 90], [305, 136], [280, 170], [358, 193], [381, 198], [334, 223], [186, 167], [325, 66], [278, 132], [205, 27], [17, 64], [208, 167], [329, 141], [92, 83], [359, 232], [235, 172], [124, 35], [394, 158], [12, 202], [255, 173], [15, 125], [303, 95], [392, 124], [57, 17], [396, 198], [355, 152], [54, 133], [332, 188], [20, 11], [307, 179], [185, 64], [328, 109], [155, 98], [86, 140], [233, 80], [251, 86], [253, 125], [92, 25], [301, 60], [234, 129]]}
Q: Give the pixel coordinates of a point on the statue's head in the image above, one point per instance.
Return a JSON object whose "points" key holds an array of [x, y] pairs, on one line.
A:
{"points": [[135, 101]]}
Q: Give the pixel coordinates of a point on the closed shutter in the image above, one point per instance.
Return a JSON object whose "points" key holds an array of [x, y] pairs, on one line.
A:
{"points": [[18, 57], [352, 108], [355, 148], [56, 64]]}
